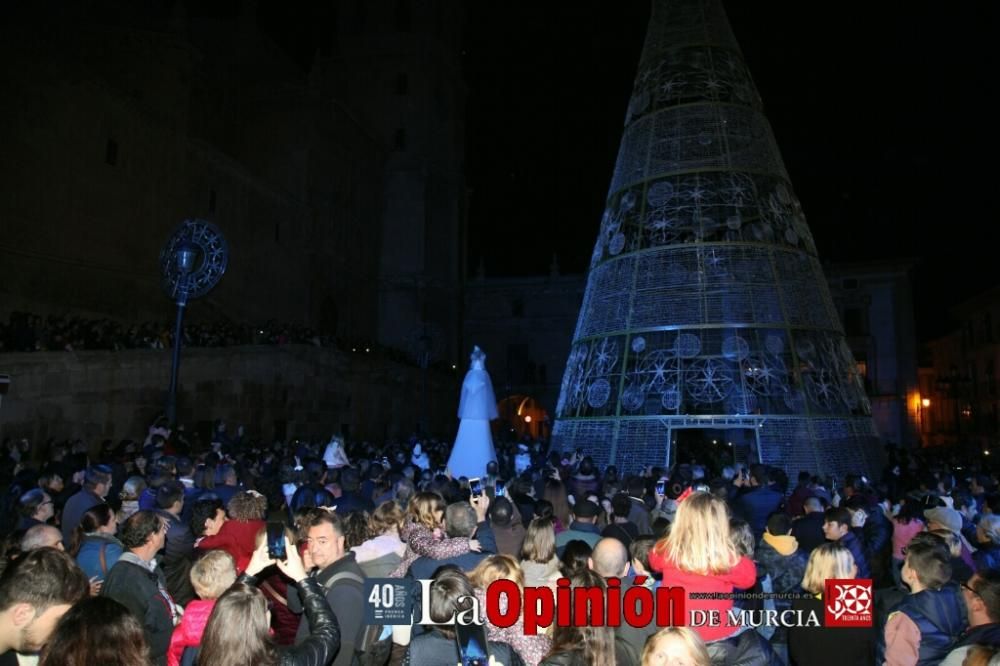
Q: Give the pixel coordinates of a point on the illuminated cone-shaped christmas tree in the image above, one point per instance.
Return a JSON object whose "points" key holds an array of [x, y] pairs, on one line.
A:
{"points": [[706, 306]]}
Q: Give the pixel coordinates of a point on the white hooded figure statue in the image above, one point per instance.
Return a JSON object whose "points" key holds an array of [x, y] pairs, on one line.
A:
{"points": [[335, 456], [476, 408]]}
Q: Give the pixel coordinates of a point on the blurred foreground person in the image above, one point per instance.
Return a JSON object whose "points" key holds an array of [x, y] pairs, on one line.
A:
{"points": [[36, 590], [95, 631]]}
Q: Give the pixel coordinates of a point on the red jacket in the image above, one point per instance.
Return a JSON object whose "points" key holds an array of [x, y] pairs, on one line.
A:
{"points": [[188, 632], [742, 576], [237, 538]]}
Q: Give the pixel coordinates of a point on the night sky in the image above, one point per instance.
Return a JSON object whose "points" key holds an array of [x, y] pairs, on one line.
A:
{"points": [[880, 110]]}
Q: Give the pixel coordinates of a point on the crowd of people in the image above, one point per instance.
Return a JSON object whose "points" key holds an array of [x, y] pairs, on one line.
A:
{"points": [[26, 332], [158, 552]]}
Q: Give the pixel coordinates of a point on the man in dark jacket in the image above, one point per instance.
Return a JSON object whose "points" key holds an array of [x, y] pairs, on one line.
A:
{"points": [[778, 556], [839, 524], [982, 604], [350, 496], [461, 519], [96, 485], [808, 530], [756, 504], [178, 551], [342, 579], [507, 528], [138, 584]]}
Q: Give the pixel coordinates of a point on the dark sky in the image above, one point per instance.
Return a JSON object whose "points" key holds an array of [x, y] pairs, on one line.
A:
{"points": [[881, 112]]}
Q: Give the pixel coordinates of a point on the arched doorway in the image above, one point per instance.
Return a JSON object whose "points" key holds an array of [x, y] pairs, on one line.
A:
{"points": [[522, 416]]}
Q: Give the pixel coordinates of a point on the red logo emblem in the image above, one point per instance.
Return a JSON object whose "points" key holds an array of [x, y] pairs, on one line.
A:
{"points": [[848, 602]]}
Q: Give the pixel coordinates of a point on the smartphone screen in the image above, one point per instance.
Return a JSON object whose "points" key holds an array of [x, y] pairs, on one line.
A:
{"points": [[276, 541], [476, 486], [661, 488], [498, 488], [473, 649]]}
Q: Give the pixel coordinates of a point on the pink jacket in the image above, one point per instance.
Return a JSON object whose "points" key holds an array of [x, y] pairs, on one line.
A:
{"points": [[188, 632]]}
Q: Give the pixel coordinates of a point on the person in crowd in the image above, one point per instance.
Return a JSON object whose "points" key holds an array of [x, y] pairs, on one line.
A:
{"points": [[97, 630], [819, 645], [675, 646], [576, 556], [808, 529], [350, 493], [380, 554], [555, 493], [35, 508], [758, 500], [943, 517], [876, 536], [338, 574], [588, 644], [987, 555], [699, 555], [531, 649], [840, 524], [131, 490], [966, 505], [794, 505], [921, 628], [451, 593], [778, 554], [639, 560], [582, 527], [178, 551], [94, 544], [237, 632], [313, 492], [139, 584], [36, 590], [41, 536], [960, 571], [621, 527], [610, 560], [238, 534], [584, 482], [424, 535], [210, 576], [639, 514], [508, 530], [907, 522], [462, 520], [982, 605], [538, 554], [96, 485]]}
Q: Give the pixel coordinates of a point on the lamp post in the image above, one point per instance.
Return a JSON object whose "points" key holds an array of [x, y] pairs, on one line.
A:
{"points": [[192, 262], [185, 256]]}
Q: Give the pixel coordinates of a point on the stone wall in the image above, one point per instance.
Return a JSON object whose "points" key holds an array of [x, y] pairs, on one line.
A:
{"points": [[291, 391]]}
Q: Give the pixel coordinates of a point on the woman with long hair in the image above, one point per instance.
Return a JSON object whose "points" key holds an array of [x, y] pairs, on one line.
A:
{"points": [[238, 631], [699, 555], [93, 543], [586, 645], [555, 492], [504, 567], [423, 533], [538, 554], [98, 630], [818, 645], [907, 522]]}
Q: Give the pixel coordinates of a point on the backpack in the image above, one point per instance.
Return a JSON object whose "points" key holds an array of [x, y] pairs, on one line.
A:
{"points": [[371, 649]]}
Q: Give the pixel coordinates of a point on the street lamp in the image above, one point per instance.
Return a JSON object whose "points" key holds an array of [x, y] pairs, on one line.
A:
{"points": [[192, 262]]}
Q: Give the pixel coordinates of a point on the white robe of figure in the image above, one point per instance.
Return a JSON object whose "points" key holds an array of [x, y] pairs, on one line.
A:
{"points": [[477, 406]]}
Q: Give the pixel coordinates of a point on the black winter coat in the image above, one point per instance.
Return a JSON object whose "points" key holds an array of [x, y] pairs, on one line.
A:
{"points": [[138, 589]]}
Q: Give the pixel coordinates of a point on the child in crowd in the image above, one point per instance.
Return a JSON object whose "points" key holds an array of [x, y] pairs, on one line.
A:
{"points": [[212, 575], [423, 534]]}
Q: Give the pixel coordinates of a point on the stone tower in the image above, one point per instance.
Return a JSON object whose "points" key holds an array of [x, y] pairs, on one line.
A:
{"points": [[706, 307], [398, 64]]}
